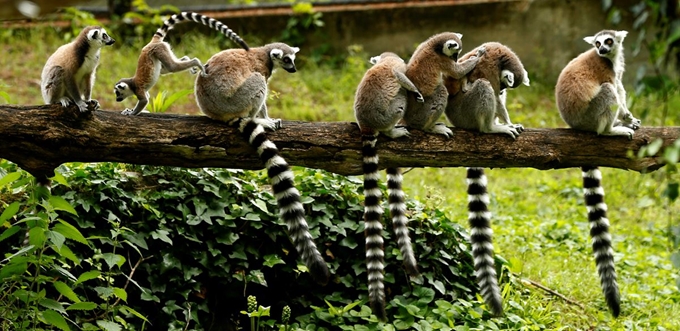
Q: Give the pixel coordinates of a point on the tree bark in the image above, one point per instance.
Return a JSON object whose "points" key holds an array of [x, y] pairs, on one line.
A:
{"points": [[40, 138]]}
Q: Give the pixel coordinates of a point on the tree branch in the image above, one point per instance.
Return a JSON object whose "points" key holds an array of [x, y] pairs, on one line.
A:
{"points": [[39, 138]]}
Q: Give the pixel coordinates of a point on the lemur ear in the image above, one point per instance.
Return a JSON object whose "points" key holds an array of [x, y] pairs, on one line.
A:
{"points": [[621, 34], [525, 81], [589, 39], [276, 53], [374, 59], [295, 49], [459, 35]]}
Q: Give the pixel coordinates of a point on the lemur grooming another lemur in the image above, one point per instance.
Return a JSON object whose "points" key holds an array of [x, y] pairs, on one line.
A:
{"points": [[157, 58]]}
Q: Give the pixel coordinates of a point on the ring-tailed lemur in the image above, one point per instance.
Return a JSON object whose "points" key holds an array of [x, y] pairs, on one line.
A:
{"points": [[379, 103], [433, 58], [234, 90], [476, 102], [157, 59], [586, 90], [69, 74]]}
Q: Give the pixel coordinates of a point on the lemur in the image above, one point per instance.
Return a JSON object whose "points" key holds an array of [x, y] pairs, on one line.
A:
{"points": [[379, 103], [586, 90], [435, 57], [475, 102], [234, 90], [157, 59], [69, 74]]}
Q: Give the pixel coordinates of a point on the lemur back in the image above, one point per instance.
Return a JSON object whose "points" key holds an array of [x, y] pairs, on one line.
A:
{"points": [[69, 74], [157, 58], [234, 90], [587, 89], [434, 57], [379, 103]]}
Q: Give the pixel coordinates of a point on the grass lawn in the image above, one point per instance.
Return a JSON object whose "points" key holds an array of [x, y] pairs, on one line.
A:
{"points": [[539, 217]]}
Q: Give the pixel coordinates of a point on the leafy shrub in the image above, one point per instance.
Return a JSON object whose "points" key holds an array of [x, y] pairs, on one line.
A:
{"points": [[183, 248]]}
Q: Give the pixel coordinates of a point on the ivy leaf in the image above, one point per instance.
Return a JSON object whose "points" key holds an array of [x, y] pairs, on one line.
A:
{"points": [[82, 306], [109, 326], [261, 205], [60, 203], [66, 291], [69, 231], [272, 260], [54, 318], [9, 211], [162, 235]]}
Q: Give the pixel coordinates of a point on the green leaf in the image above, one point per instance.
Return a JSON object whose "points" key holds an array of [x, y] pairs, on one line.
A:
{"points": [[13, 269], [69, 231], [272, 260], [52, 304], [36, 236], [671, 191], [68, 253], [10, 177], [425, 295], [675, 258], [20, 252], [113, 259], [59, 178], [126, 309], [9, 232], [60, 203], [89, 275], [654, 147], [261, 205], [9, 211], [66, 291], [56, 238], [109, 326], [104, 292], [82, 306], [54, 318], [120, 293], [162, 235]]}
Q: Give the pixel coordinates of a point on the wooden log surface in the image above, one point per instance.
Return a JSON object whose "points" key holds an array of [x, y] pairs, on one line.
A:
{"points": [[39, 138]]}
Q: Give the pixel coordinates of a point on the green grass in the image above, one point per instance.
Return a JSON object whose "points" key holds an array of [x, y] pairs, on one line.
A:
{"points": [[539, 217]]}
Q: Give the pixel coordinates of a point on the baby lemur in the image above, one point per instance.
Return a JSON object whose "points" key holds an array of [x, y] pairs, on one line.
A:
{"points": [[435, 57], [379, 103], [234, 90], [69, 74], [156, 58], [587, 89]]}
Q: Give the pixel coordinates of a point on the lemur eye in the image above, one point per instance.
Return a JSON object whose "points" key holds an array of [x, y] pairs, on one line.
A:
{"points": [[609, 41], [286, 60], [597, 44]]}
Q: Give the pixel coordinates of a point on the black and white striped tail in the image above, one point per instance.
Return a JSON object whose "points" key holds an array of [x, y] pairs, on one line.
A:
{"points": [[599, 233], [481, 240], [399, 220], [205, 20], [287, 197], [373, 212]]}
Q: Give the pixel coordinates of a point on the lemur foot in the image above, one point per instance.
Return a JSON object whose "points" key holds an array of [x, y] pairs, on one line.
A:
{"points": [[620, 131], [65, 101], [269, 123], [440, 128], [518, 127], [481, 50], [93, 103], [630, 122], [510, 130], [397, 133], [82, 105], [129, 112]]}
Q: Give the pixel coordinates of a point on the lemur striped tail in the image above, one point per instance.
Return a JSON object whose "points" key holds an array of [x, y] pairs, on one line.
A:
{"points": [[287, 197], [481, 233], [205, 20], [602, 240], [399, 220], [373, 212]]}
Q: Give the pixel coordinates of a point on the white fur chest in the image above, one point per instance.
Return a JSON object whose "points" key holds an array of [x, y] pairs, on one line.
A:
{"points": [[89, 64]]}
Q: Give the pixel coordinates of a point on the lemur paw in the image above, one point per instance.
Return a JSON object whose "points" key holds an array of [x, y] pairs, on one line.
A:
{"points": [[481, 50], [269, 123], [82, 105], [93, 103], [128, 112], [419, 98], [398, 132], [64, 102], [440, 128], [518, 127]]}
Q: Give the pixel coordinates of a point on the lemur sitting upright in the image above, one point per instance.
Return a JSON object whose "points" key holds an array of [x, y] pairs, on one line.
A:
{"points": [[379, 103], [69, 74], [157, 58], [587, 89]]}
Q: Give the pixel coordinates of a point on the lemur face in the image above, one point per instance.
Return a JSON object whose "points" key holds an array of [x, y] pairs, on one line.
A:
{"points": [[285, 57], [507, 79], [99, 37], [607, 43], [122, 91], [452, 48]]}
